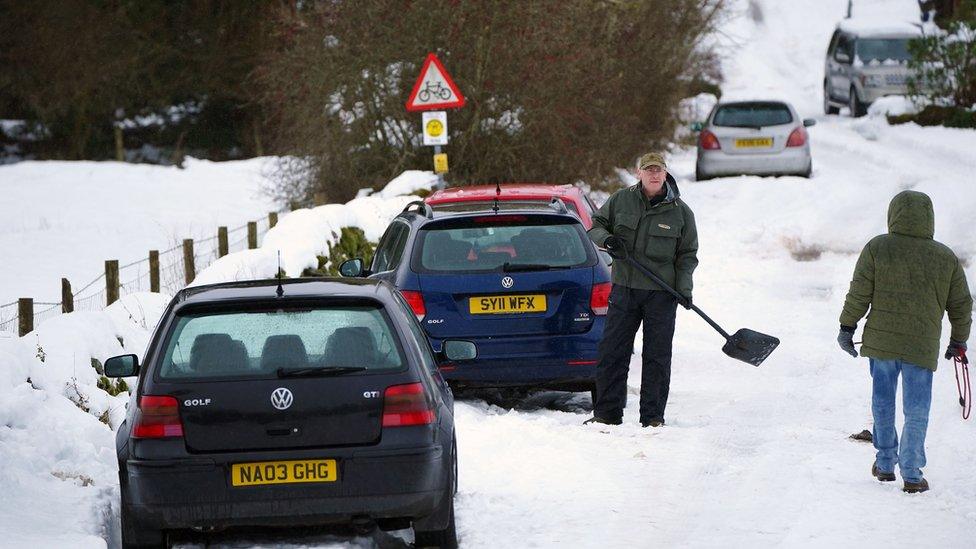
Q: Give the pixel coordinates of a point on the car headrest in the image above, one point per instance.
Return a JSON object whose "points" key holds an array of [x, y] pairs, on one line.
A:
{"points": [[284, 351]]}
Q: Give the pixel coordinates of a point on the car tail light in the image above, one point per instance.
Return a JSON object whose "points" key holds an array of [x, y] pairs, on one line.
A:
{"points": [[416, 302], [798, 138], [406, 405], [600, 298], [157, 417], [708, 141]]}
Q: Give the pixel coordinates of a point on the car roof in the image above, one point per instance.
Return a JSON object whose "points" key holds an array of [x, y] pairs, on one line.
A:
{"points": [[869, 28], [752, 101], [509, 191], [292, 287]]}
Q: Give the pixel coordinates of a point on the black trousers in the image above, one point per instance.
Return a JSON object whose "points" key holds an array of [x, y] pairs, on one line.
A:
{"points": [[628, 308]]}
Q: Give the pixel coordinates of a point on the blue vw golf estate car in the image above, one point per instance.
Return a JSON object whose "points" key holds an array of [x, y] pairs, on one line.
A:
{"points": [[525, 284]]}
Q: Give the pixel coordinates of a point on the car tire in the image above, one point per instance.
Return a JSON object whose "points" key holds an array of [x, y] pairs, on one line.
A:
{"points": [[858, 109], [137, 536], [699, 176], [445, 538], [828, 107]]}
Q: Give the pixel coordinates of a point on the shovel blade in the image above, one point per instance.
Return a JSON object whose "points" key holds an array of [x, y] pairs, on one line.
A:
{"points": [[750, 346]]}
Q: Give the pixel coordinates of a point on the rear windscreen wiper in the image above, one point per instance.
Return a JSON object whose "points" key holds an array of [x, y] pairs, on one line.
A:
{"points": [[322, 371], [514, 267]]}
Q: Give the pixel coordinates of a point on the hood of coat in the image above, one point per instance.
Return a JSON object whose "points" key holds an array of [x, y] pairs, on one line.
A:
{"points": [[910, 213]]}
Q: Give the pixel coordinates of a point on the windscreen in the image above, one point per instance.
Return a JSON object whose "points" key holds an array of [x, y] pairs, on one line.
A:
{"points": [[882, 49], [256, 344], [752, 115], [503, 247]]}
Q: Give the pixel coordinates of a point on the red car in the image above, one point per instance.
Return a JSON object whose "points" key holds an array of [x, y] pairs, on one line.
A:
{"points": [[514, 195]]}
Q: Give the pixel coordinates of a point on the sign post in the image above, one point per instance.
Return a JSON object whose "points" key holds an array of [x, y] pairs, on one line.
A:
{"points": [[434, 91]]}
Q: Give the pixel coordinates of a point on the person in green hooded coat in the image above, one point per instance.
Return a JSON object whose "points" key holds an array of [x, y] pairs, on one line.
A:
{"points": [[905, 282]]}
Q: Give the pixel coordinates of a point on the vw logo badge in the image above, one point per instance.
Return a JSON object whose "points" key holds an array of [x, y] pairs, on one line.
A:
{"points": [[281, 398], [507, 282]]}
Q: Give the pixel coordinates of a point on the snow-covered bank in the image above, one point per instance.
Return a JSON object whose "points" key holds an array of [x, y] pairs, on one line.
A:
{"points": [[63, 219]]}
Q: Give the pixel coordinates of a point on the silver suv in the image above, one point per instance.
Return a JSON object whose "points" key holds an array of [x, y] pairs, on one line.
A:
{"points": [[865, 63]]}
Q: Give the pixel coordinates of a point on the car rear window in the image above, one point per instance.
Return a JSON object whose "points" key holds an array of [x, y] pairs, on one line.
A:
{"points": [[752, 115], [476, 206], [506, 244], [882, 49], [256, 343]]}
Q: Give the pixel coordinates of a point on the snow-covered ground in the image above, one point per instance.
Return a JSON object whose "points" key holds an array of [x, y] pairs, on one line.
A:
{"points": [[750, 456]]}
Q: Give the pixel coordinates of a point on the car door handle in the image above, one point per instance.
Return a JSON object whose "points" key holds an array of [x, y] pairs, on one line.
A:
{"points": [[282, 431]]}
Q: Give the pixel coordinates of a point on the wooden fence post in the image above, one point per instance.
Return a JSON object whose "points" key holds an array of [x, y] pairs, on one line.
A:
{"points": [[67, 299], [223, 248], [111, 281], [25, 316], [252, 235], [272, 219], [154, 271], [188, 261]]}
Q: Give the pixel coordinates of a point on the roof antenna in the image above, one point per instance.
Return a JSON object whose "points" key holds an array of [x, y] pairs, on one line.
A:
{"points": [[280, 291], [498, 192]]}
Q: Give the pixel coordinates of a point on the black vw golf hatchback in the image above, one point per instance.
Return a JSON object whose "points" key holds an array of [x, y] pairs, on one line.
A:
{"points": [[300, 402]]}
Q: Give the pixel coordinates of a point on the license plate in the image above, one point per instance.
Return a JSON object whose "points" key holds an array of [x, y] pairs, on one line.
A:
{"points": [[754, 143], [507, 304], [283, 472]]}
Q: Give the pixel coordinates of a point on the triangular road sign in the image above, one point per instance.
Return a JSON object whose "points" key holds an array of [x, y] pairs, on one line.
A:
{"points": [[434, 89]]}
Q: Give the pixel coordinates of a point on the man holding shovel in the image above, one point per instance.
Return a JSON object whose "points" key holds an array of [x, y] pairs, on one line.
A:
{"points": [[909, 281], [649, 223]]}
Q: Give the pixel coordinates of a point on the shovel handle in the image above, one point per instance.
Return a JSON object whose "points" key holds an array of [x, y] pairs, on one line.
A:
{"points": [[680, 297]]}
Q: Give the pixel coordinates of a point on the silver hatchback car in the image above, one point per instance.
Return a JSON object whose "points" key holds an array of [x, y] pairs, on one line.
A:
{"points": [[753, 138]]}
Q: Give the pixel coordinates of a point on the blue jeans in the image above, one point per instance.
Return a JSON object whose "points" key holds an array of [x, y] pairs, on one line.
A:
{"points": [[916, 388]]}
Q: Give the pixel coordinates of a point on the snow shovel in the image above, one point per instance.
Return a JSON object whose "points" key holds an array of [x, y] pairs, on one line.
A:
{"points": [[745, 345]]}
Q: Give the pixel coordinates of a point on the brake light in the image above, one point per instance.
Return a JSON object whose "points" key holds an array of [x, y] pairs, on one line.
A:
{"points": [[416, 302], [708, 141], [798, 138], [406, 405], [500, 219], [600, 298], [157, 417]]}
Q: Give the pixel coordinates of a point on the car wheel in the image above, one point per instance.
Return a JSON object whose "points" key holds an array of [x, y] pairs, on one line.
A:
{"points": [[699, 176], [858, 109], [445, 538], [136, 536], [827, 106]]}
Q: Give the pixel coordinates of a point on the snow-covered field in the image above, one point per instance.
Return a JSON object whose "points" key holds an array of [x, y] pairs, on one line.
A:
{"points": [[750, 456]]}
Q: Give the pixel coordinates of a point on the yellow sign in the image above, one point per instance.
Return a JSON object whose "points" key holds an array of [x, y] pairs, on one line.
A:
{"points": [[283, 472], [507, 304], [756, 142], [435, 128], [440, 163]]}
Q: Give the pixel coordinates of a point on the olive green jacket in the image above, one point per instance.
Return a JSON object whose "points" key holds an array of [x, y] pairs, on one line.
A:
{"points": [[909, 281], [663, 237]]}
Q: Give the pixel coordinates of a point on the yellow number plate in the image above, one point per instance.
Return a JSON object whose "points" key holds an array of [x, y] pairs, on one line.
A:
{"points": [[283, 472], [506, 304], [754, 143]]}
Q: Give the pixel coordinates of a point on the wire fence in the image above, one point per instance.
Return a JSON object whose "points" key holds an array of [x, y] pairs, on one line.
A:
{"points": [[136, 276]]}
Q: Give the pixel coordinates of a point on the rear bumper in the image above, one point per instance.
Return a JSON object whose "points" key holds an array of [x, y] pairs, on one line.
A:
{"points": [[197, 492], [567, 361], [793, 160]]}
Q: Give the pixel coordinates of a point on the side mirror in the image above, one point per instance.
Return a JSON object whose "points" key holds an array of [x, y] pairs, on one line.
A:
{"points": [[458, 350], [697, 126], [842, 57], [122, 366], [807, 122], [605, 256], [351, 268]]}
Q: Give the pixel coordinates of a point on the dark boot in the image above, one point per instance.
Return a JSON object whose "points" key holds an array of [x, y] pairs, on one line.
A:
{"points": [[881, 475], [652, 423], [916, 487], [863, 436], [603, 420]]}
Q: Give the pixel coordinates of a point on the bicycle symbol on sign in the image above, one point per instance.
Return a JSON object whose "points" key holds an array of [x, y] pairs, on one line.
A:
{"points": [[434, 89]]}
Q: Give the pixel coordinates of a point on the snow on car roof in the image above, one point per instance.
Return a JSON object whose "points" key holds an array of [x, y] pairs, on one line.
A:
{"points": [[875, 28]]}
